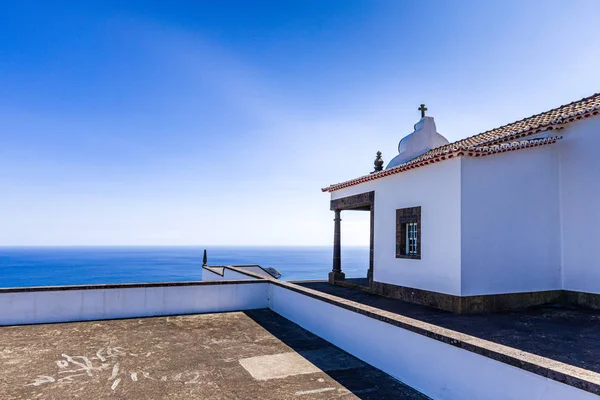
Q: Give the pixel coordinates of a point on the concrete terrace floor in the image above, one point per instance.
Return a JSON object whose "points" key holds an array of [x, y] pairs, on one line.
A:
{"points": [[239, 355], [569, 335]]}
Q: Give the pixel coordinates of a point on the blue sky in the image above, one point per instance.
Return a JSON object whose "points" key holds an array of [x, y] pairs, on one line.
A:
{"points": [[196, 122]]}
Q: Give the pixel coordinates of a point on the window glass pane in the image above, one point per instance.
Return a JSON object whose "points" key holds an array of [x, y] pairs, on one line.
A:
{"points": [[411, 238]]}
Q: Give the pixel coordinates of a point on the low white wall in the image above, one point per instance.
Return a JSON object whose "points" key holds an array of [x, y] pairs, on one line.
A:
{"points": [[511, 222], [436, 188], [17, 308], [439, 370]]}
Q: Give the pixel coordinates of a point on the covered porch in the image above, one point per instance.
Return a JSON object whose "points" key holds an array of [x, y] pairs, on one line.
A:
{"points": [[360, 202]]}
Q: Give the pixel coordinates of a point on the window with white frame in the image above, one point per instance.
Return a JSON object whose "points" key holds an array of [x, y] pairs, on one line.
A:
{"points": [[408, 233], [411, 239]]}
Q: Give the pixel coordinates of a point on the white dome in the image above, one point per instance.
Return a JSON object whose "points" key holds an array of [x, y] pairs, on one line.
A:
{"points": [[424, 138]]}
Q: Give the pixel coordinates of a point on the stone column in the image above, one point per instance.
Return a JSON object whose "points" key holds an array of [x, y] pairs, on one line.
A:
{"points": [[336, 274]]}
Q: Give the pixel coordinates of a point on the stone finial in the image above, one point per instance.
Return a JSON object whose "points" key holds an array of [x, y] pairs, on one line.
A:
{"points": [[204, 259], [378, 163]]}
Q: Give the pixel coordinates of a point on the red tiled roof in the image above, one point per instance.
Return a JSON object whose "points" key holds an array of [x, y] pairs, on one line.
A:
{"points": [[505, 138]]}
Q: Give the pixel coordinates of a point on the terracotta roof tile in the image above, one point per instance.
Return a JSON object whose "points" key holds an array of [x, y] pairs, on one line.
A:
{"points": [[458, 151], [505, 138], [528, 126]]}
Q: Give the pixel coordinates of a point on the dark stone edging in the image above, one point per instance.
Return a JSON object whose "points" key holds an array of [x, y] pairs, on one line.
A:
{"points": [[124, 286], [238, 268], [579, 378], [243, 271]]}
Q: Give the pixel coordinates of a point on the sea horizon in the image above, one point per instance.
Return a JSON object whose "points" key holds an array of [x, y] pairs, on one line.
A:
{"points": [[167, 245], [24, 266]]}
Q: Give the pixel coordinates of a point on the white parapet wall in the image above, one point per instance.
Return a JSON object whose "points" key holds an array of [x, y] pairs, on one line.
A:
{"points": [[437, 369], [46, 305], [425, 357]]}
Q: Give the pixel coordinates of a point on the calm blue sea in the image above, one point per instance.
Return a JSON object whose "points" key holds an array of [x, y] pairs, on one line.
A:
{"points": [[50, 266]]}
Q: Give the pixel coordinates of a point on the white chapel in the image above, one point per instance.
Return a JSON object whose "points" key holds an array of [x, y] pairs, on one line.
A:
{"points": [[503, 219]]}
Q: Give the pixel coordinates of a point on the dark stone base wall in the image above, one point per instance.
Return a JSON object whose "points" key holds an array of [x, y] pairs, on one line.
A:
{"points": [[418, 296], [485, 303], [587, 300]]}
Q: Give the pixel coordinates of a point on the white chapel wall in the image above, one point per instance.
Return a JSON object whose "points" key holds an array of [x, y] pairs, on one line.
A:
{"points": [[580, 205], [511, 222], [436, 188]]}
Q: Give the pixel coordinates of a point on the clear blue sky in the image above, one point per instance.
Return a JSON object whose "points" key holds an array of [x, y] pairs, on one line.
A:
{"points": [[197, 122]]}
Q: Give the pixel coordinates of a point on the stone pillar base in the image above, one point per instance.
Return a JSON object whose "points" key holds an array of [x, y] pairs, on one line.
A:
{"points": [[336, 276]]}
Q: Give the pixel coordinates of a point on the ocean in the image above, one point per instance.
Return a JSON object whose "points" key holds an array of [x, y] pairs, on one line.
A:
{"points": [[52, 266]]}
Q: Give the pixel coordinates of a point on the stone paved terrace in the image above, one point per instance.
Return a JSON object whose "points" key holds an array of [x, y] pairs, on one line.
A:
{"points": [[238, 355], [568, 335]]}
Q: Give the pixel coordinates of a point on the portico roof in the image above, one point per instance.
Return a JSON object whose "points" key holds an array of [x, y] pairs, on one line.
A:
{"points": [[509, 137]]}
